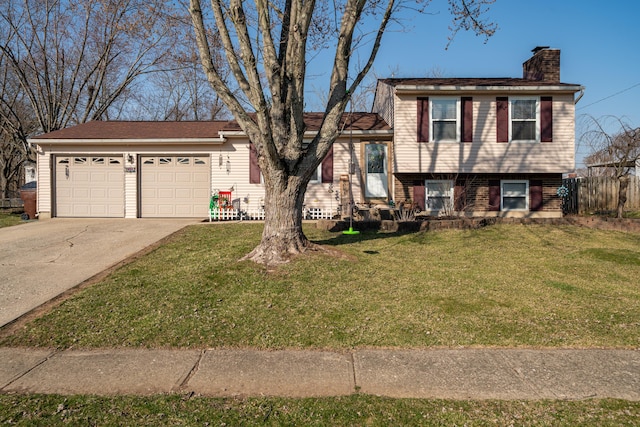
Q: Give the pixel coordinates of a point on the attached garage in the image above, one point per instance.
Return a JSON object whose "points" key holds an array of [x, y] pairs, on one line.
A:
{"points": [[174, 186], [89, 186]]}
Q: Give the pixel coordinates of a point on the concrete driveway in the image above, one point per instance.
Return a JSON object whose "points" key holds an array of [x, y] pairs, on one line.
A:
{"points": [[40, 260]]}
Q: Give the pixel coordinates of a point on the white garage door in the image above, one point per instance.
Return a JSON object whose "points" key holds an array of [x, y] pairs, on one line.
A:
{"points": [[89, 186], [174, 186]]}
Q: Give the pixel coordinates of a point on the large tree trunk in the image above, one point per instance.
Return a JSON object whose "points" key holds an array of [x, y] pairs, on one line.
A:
{"points": [[282, 237], [622, 194]]}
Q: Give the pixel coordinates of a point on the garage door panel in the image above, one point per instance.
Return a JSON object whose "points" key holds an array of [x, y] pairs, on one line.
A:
{"points": [[79, 177], [149, 193], [165, 193], [175, 186], [184, 193], [200, 193], [98, 177], [89, 187], [184, 210], [81, 193], [99, 193], [166, 177], [99, 211], [182, 177]]}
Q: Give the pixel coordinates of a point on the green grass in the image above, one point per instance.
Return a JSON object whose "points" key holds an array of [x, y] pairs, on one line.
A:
{"points": [[8, 219], [505, 286], [341, 411]]}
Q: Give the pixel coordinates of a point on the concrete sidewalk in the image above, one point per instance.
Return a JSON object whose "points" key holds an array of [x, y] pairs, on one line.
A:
{"points": [[434, 374]]}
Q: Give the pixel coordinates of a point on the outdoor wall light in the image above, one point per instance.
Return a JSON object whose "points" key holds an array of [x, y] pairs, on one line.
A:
{"points": [[130, 159]]}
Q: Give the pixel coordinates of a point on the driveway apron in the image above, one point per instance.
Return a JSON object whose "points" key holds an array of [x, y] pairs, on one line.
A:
{"points": [[40, 260]]}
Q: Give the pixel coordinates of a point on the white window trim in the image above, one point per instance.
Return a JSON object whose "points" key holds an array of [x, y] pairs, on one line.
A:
{"points": [[426, 194], [431, 120], [524, 98], [526, 193], [319, 173]]}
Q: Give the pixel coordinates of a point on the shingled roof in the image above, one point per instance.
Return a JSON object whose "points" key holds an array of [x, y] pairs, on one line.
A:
{"points": [[470, 81], [191, 130]]}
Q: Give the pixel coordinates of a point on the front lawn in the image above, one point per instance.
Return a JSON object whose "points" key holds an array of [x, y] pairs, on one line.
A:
{"points": [[505, 286]]}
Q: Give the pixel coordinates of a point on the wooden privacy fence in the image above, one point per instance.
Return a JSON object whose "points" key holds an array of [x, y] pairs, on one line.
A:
{"points": [[599, 193]]}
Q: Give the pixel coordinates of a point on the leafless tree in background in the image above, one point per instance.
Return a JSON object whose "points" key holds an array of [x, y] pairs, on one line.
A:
{"points": [[613, 153], [68, 62]]}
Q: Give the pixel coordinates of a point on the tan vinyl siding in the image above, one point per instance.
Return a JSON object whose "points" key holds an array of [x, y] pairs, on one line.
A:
{"points": [[44, 182], [484, 154], [131, 191], [383, 102], [237, 180], [317, 195]]}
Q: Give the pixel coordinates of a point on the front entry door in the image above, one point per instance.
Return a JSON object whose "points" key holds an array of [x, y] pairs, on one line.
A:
{"points": [[377, 181]]}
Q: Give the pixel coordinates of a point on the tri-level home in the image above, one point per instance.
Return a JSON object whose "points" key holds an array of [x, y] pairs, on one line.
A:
{"points": [[454, 146], [482, 146]]}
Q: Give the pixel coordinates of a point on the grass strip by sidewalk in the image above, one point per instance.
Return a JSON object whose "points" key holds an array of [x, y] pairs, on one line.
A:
{"points": [[505, 285], [358, 410]]}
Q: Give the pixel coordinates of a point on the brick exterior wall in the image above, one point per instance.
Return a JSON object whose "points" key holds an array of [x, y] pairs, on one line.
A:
{"points": [[477, 188]]}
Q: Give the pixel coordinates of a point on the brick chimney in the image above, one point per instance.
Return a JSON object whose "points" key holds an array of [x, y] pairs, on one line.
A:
{"points": [[544, 65]]}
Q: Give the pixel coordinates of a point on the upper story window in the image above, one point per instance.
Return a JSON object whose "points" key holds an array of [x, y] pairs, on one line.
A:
{"points": [[525, 120], [444, 120]]}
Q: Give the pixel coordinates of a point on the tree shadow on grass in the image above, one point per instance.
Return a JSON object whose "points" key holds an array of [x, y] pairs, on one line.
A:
{"points": [[368, 232]]}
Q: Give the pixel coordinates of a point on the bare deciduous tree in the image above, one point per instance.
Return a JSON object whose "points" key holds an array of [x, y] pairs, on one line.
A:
{"points": [[615, 153], [181, 91], [71, 62], [267, 44]]}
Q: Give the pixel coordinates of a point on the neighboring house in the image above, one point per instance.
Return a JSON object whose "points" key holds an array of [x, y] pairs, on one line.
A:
{"points": [[482, 146], [171, 169], [448, 146]]}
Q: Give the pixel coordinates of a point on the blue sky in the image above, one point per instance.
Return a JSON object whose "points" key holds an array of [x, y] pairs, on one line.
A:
{"points": [[599, 43]]}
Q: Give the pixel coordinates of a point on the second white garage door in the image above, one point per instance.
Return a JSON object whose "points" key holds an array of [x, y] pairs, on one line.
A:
{"points": [[174, 186]]}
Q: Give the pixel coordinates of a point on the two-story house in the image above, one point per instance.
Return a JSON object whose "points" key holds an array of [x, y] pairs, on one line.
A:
{"points": [[480, 146]]}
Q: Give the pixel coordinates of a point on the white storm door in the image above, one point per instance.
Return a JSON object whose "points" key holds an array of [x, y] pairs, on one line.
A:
{"points": [[377, 180]]}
